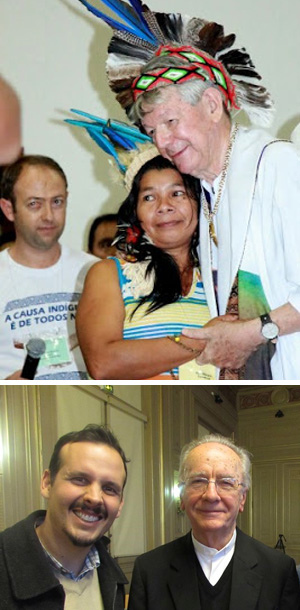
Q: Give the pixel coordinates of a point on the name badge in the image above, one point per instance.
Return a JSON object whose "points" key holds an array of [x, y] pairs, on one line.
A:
{"points": [[57, 352]]}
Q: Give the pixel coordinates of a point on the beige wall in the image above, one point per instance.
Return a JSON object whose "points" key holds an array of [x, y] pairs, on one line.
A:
{"points": [[54, 54], [273, 506]]}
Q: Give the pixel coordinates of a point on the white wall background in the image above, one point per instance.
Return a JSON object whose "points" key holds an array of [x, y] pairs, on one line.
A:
{"points": [[54, 52]]}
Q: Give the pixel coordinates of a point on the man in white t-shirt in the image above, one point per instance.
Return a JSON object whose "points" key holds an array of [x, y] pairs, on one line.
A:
{"points": [[41, 280]]}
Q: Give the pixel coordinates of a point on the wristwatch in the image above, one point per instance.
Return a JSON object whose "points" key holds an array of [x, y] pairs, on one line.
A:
{"points": [[269, 329]]}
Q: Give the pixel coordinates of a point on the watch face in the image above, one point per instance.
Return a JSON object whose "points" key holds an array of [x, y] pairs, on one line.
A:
{"points": [[270, 330]]}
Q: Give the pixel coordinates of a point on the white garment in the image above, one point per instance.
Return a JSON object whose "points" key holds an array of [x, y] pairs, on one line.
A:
{"points": [[41, 303], [260, 218], [212, 561]]}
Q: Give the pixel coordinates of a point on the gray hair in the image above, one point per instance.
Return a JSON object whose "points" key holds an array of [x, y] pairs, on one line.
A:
{"points": [[243, 454], [190, 91]]}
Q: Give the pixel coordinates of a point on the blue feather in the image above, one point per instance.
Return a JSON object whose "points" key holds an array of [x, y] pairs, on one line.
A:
{"points": [[114, 136], [137, 6], [120, 9], [137, 20], [134, 27], [108, 134], [106, 145], [119, 126]]}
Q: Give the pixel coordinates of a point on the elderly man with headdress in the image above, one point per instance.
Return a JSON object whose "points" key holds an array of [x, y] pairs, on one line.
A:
{"points": [[180, 80]]}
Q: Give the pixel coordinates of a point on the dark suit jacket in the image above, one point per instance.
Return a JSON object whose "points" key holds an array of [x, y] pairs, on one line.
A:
{"points": [[262, 578], [27, 580]]}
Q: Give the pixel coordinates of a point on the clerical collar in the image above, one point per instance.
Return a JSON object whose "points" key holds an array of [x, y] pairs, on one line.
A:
{"points": [[211, 189], [207, 551]]}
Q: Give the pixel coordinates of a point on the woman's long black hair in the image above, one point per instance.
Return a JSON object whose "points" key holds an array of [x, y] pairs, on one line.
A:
{"points": [[167, 283]]}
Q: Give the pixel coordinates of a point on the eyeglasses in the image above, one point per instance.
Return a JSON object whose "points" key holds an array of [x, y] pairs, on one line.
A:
{"points": [[224, 485]]}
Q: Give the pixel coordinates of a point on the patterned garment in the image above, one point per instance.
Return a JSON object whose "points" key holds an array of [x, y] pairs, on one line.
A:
{"points": [[190, 311], [91, 562], [248, 301], [253, 303]]}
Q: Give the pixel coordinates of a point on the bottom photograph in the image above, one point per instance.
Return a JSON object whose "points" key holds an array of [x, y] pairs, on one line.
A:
{"points": [[147, 497]]}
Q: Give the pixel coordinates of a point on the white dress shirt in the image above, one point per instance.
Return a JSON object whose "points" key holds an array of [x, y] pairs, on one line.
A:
{"points": [[212, 561]]}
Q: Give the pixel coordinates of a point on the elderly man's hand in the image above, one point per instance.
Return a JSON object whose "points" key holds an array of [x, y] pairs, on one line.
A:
{"points": [[229, 341]]}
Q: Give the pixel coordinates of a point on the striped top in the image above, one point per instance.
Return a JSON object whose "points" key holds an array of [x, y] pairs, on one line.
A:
{"points": [[190, 311]]}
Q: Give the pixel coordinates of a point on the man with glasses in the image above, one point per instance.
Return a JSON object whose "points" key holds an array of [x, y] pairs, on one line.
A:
{"points": [[215, 566]]}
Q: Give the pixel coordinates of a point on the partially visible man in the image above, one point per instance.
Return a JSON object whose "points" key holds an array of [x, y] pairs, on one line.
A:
{"points": [[10, 123], [58, 558], [102, 234], [41, 280], [182, 79], [216, 565]]}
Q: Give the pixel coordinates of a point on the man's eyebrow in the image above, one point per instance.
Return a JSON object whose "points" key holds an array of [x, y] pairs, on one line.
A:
{"points": [[43, 198], [34, 197], [76, 473], [81, 473]]}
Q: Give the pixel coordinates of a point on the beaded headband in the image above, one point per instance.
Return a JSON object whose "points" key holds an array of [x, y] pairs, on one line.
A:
{"points": [[200, 65]]}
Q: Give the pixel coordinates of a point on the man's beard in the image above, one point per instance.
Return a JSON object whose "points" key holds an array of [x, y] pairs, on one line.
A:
{"points": [[78, 541]]}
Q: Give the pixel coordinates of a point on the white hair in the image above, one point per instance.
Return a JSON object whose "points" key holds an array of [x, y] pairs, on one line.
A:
{"points": [[243, 454], [190, 91]]}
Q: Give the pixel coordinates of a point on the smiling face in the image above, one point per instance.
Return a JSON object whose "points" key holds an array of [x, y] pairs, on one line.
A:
{"points": [[86, 495], [213, 515], [185, 134], [166, 212]]}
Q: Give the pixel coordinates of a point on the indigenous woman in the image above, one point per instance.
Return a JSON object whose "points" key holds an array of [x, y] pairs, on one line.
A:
{"points": [[134, 307]]}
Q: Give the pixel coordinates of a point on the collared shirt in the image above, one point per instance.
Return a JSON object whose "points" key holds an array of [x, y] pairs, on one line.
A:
{"points": [[212, 561], [91, 561]]}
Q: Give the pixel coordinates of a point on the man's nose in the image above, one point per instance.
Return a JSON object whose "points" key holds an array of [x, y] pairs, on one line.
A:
{"points": [[211, 492], [93, 494], [47, 211], [162, 138]]}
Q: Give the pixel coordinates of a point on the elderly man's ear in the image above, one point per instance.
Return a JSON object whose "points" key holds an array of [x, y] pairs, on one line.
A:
{"points": [[7, 209], [213, 101]]}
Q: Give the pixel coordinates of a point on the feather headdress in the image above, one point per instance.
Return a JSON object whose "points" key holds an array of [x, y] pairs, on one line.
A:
{"points": [[140, 34], [129, 148]]}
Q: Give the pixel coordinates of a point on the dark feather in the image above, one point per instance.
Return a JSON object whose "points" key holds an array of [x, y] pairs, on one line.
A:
{"points": [[255, 94], [125, 98], [238, 61], [171, 26], [130, 46], [237, 56], [151, 19], [212, 39]]}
